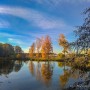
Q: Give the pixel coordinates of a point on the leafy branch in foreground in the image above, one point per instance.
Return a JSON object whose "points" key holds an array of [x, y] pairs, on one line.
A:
{"points": [[83, 33]]}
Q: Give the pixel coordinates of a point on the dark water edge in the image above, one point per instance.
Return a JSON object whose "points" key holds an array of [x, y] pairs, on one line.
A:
{"points": [[41, 75]]}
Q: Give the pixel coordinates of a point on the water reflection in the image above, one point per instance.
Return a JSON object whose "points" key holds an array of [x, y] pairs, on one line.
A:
{"points": [[17, 65], [47, 75], [43, 71], [31, 68], [64, 78], [38, 71], [6, 67], [71, 78], [47, 72]]}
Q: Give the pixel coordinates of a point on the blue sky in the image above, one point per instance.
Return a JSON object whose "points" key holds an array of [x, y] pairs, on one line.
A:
{"points": [[22, 21]]}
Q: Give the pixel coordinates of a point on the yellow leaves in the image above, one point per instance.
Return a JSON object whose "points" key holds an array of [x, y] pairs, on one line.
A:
{"points": [[18, 56], [70, 55], [46, 47], [60, 55], [42, 46], [32, 50], [63, 42], [79, 59]]}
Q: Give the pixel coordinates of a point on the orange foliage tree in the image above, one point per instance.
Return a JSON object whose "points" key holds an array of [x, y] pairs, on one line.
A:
{"points": [[32, 50], [46, 47], [38, 46], [64, 43]]}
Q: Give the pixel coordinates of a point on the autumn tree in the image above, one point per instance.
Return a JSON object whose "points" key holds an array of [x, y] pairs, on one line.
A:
{"points": [[64, 43], [43, 52], [46, 47], [32, 50], [38, 46]]}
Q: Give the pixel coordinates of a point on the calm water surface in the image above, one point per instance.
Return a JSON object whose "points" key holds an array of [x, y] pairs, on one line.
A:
{"points": [[31, 75]]}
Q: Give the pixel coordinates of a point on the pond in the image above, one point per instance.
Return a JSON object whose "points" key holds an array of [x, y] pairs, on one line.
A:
{"points": [[33, 75]]}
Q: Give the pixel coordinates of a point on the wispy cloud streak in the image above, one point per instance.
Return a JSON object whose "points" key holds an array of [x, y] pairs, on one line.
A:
{"points": [[35, 18], [56, 2]]}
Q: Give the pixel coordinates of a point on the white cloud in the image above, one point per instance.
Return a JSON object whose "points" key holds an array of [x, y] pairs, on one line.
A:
{"points": [[49, 23], [35, 18]]}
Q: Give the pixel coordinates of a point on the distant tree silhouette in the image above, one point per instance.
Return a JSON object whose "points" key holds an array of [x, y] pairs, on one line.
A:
{"points": [[18, 49], [7, 50], [1, 49]]}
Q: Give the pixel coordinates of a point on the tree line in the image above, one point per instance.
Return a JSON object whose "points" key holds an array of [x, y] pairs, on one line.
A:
{"points": [[7, 50]]}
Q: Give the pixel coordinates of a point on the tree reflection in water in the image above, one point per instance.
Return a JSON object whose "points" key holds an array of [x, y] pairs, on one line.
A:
{"points": [[43, 72], [32, 68], [38, 71], [47, 72], [6, 67], [18, 65], [64, 78], [76, 75]]}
